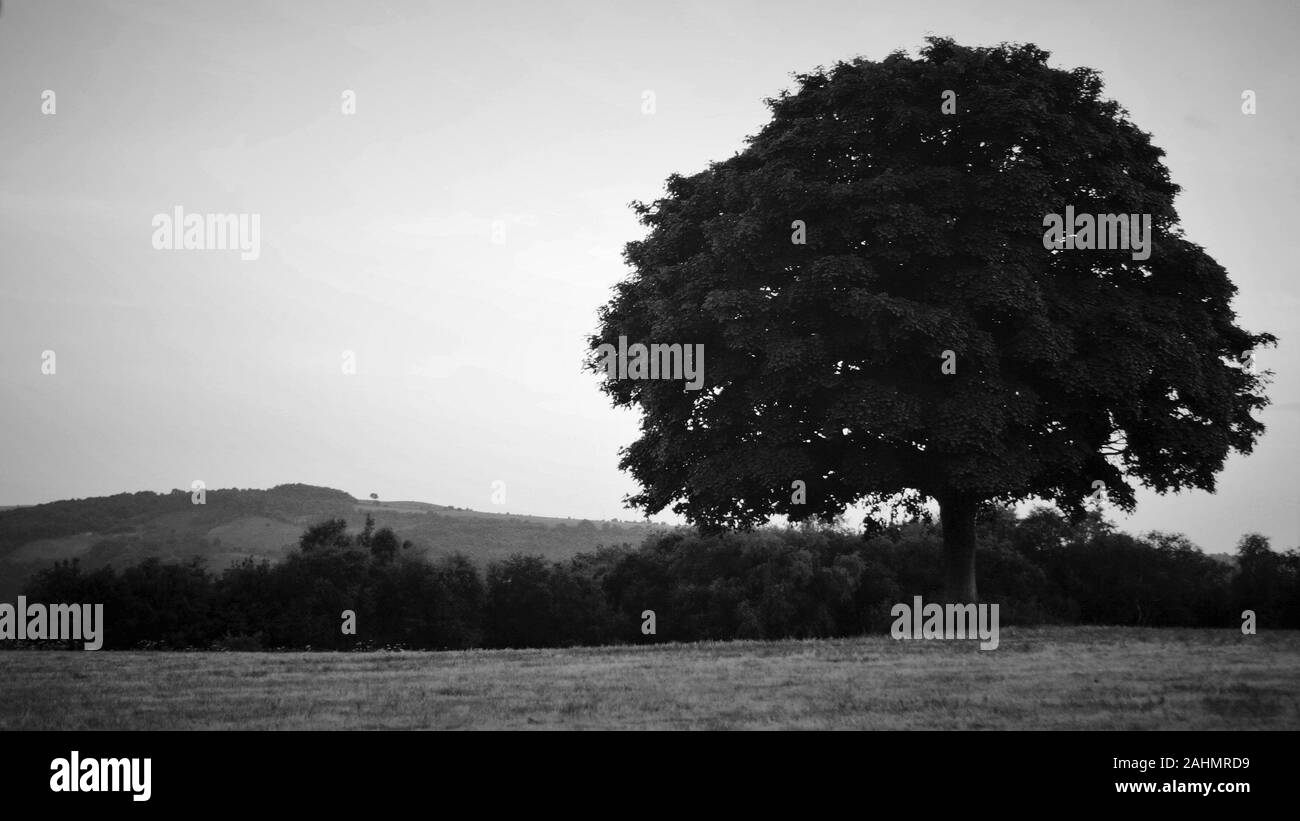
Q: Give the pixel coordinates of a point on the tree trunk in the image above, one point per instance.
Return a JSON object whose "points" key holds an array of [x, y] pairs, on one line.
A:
{"points": [[957, 516]]}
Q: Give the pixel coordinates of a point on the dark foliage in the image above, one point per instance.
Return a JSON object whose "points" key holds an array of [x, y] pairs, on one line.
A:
{"points": [[799, 582]]}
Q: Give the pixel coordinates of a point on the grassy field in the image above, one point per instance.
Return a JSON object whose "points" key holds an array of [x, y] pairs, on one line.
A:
{"points": [[1069, 678]]}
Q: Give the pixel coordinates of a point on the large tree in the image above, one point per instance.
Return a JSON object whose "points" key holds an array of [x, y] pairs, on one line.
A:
{"points": [[882, 320]]}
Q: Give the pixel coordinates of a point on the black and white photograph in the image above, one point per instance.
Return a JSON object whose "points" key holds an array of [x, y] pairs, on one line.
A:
{"points": [[710, 366]]}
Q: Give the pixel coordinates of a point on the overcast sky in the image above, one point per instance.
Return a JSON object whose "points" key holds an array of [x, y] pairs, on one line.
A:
{"points": [[377, 228]]}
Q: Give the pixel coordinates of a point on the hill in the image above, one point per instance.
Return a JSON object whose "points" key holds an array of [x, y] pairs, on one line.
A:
{"points": [[235, 523]]}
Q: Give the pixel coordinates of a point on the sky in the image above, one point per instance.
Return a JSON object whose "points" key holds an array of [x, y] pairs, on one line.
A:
{"points": [[454, 237]]}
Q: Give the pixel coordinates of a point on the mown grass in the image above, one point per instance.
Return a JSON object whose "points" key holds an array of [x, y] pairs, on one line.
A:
{"points": [[1044, 678]]}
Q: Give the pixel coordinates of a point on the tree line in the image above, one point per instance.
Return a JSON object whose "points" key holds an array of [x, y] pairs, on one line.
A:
{"points": [[799, 582]]}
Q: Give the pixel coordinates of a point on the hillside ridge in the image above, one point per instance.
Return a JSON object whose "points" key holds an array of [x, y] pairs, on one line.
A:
{"points": [[235, 523]]}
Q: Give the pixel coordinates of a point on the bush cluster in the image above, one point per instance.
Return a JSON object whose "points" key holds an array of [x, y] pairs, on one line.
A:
{"points": [[764, 584]]}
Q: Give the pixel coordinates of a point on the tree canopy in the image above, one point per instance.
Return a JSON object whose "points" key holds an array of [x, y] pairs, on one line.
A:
{"points": [[884, 323]]}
